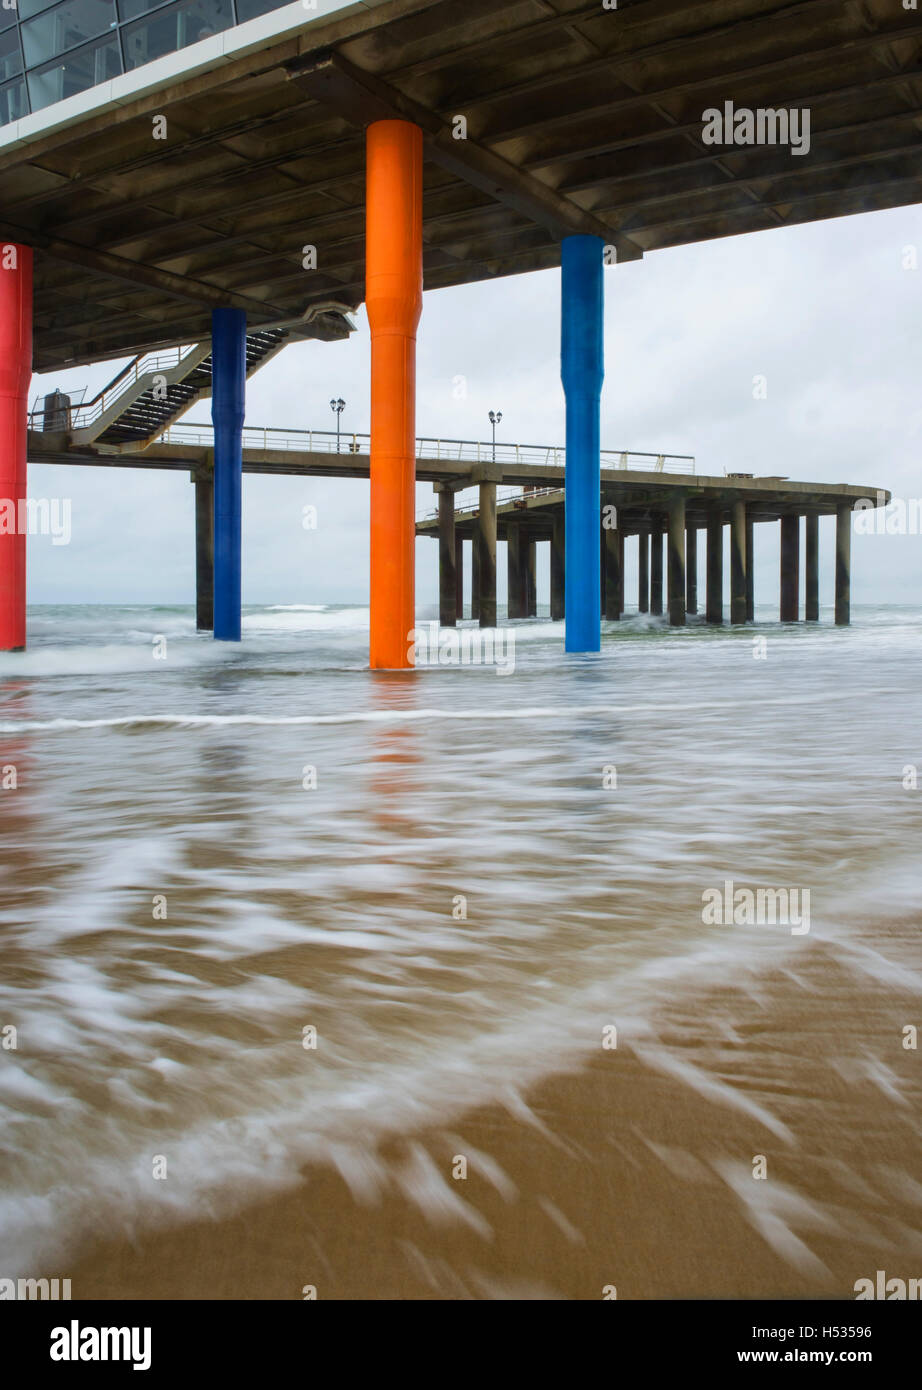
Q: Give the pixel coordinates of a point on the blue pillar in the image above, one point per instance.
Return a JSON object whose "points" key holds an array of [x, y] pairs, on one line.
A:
{"points": [[228, 401], [581, 370]]}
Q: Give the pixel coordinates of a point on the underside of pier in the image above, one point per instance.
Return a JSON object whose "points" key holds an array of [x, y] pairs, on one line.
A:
{"points": [[577, 119]]}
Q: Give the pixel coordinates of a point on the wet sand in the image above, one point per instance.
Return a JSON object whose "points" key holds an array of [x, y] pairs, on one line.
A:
{"points": [[634, 1171]]}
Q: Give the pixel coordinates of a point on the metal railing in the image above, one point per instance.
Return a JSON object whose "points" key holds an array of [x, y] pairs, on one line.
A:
{"points": [[427, 447], [82, 415], [269, 438], [505, 494]]}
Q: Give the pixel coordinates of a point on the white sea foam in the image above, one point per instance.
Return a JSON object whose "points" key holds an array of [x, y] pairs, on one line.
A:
{"points": [[131, 658], [403, 715], [306, 618]]}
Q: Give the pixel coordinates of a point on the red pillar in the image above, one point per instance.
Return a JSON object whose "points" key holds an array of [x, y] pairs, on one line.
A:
{"points": [[393, 299], [15, 375]]}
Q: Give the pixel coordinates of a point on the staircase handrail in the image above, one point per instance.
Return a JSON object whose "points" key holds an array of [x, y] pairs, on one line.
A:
{"points": [[148, 364]]}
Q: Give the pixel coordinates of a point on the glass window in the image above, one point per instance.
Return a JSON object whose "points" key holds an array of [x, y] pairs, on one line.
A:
{"points": [[168, 30], [95, 63], [252, 9], [10, 60], [65, 27], [130, 9], [27, 8], [13, 104], [8, 13]]}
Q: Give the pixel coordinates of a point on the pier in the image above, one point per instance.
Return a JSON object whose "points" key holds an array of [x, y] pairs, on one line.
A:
{"points": [[664, 514], [246, 188], [658, 500]]}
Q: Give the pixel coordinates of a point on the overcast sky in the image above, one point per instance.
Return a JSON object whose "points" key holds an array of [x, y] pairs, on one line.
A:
{"points": [[827, 313]]}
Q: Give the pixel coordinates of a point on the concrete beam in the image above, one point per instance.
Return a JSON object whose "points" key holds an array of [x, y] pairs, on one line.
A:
{"points": [[204, 550], [750, 567], [459, 576], [361, 97], [643, 573], [614, 573], [531, 577], [448, 615], [843, 565], [738, 560], [676, 567], [558, 567], [812, 596], [715, 569], [139, 273], [691, 569], [516, 583], [656, 571], [486, 546], [790, 569]]}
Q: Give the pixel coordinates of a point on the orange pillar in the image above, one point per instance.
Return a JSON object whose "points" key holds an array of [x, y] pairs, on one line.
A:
{"points": [[15, 374], [393, 299]]}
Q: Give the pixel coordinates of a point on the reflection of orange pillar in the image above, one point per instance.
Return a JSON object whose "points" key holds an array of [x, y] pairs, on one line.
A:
{"points": [[393, 298]]}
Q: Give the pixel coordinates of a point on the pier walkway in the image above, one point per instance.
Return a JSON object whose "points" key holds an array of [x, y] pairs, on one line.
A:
{"points": [[659, 499]]}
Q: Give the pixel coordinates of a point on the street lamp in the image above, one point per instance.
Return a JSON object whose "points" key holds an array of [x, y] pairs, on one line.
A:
{"points": [[338, 406], [495, 417]]}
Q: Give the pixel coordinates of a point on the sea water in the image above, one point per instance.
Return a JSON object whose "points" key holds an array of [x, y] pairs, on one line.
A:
{"points": [[262, 906]]}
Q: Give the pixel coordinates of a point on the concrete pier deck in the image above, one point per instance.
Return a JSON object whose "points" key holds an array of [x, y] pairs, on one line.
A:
{"points": [[647, 496]]}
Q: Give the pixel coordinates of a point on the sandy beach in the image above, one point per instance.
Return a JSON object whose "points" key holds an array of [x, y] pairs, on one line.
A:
{"points": [[635, 1171]]}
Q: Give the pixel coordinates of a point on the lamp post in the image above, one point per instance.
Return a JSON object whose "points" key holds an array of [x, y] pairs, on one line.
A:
{"points": [[495, 417], [338, 406]]}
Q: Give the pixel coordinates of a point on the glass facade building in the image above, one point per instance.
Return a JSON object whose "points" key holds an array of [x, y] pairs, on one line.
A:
{"points": [[52, 49]]}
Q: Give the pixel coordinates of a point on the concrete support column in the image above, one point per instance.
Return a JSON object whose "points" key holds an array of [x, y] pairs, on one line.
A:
{"points": [[715, 564], [515, 570], [843, 565], [558, 567], [204, 548], [691, 569], [812, 595], [790, 569], [531, 577], [393, 301], [676, 566], [486, 536], [656, 571], [15, 375], [581, 370], [614, 581], [620, 574], [228, 405], [750, 570], [738, 562], [475, 577], [459, 576], [447, 580], [643, 573]]}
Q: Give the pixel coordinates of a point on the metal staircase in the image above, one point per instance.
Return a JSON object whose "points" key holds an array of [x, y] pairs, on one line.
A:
{"points": [[154, 390]]}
